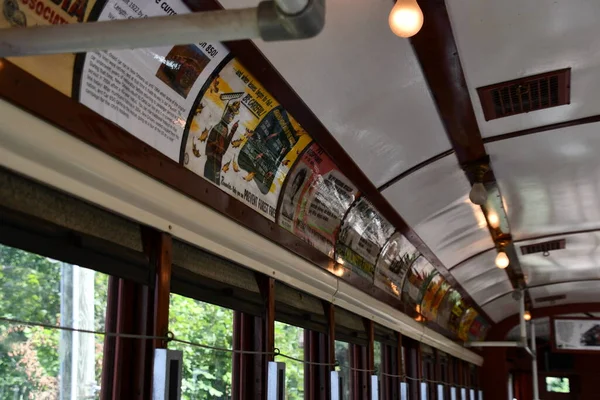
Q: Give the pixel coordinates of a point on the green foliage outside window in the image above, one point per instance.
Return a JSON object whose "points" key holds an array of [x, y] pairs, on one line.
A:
{"points": [[557, 385], [30, 291]]}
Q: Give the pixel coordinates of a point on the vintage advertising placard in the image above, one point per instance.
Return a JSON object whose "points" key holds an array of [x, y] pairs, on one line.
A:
{"points": [[241, 139], [434, 294], [418, 277], [148, 92], [576, 334], [478, 329], [315, 199], [445, 308], [456, 315], [363, 234], [393, 264], [465, 323], [55, 70]]}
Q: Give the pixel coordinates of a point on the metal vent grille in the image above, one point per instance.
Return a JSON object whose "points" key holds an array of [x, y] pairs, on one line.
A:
{"points": [[527, 94], [551, 298], [544, 247]]}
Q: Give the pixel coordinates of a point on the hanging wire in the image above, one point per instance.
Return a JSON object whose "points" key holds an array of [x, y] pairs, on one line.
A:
{"points": [[169, 338]]}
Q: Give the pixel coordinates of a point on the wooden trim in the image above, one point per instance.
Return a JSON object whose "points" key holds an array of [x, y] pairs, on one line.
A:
{"points": [[162, 287], [415, 168], [266, 285], [544, 128], [437, 52], [109, 346]]}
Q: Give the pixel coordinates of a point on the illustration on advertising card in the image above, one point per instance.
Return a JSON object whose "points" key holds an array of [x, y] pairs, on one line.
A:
{"points": [[478, 329], [417, 279], [445, 309], [393, 264], [434, 294], [576, 334], [239, 138], [56, 70], [465, 324], [456, 315], [148, 92], [315, 199], [364, 232]]}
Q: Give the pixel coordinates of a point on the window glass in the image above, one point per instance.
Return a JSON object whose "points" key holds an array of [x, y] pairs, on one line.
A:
{"points": [[47, 363], [377, 358], [557, 385], [206, 372], [289, 340], [342, 356]]}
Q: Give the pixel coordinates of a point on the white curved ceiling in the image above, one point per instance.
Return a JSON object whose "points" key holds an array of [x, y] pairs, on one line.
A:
{"points": [[366, 86]]}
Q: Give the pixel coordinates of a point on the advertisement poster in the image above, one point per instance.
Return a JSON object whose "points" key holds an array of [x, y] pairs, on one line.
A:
{"points": [[56, 70], [446, 306], [239, 138], [576, 334], [434, 294], [148, 92], [465, 324], [478, 329], [456, 315], [315, 199], [418, 277], [364, 232], [393, 264]]}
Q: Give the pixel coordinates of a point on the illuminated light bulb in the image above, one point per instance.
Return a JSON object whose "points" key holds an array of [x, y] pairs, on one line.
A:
{"points": [[338, 270], [493, 220], [406, 18], [527, 316], [502, 260], [478, 194]]}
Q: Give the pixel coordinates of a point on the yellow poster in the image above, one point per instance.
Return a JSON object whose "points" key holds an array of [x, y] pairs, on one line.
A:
{"points": [[241, 139]]}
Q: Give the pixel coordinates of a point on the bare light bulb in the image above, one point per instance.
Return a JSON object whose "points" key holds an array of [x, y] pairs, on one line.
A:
{"points": [[406, 18], [502, 260], [527, 316], [493, 220], [478, 194]]}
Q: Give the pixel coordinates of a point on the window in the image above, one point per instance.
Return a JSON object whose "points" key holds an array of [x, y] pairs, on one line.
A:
{"points": [[46, 363], [206, 372], [557, 385], [342, 356], [289, 340]]}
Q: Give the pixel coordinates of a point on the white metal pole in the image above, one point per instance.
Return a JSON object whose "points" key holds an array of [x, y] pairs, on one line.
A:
{"points": [[207, 26], [534, 368]]}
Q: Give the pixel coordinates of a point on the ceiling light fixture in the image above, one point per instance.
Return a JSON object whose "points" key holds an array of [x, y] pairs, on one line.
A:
{"points": [[406, 18], [493, 219], [502, 260], [478, 194]]}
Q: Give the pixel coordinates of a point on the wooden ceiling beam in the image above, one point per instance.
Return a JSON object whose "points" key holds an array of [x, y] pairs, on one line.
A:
{"points": [[437, 53]]}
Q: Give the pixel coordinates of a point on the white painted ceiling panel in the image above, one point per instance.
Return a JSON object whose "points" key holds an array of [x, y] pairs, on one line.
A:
{"points": [[509, 39], [577, 292], [550, 181], [365, 85], [481, 278], [580, 260], [501, 308], [434, 201]]}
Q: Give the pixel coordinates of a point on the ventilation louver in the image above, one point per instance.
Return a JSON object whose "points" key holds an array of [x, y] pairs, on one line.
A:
{"points": [[523, 95], [544, 247]]}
